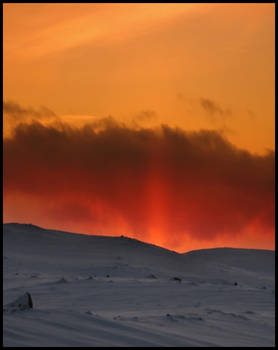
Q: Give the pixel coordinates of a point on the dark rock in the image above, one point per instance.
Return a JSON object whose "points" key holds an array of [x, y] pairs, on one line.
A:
{"points": [[178, 279], [24, 302]]}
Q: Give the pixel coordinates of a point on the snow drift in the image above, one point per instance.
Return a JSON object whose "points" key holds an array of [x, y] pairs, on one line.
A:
{"points": [[117, 291]]}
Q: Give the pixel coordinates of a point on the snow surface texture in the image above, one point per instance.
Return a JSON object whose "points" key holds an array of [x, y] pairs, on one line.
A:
{"points": [[116, 291]]}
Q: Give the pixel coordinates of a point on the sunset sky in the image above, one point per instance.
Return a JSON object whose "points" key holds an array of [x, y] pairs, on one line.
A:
{"points": [[154, 121]]}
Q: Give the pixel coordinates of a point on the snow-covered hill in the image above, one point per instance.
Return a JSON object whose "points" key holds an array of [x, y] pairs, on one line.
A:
{"points": [[117, 291]]}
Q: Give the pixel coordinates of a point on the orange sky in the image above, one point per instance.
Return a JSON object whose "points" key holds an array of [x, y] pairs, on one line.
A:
{"points": [[188, 66]]}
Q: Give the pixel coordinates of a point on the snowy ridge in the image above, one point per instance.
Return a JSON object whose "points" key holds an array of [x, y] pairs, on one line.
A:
{"points": [[117, 291]]}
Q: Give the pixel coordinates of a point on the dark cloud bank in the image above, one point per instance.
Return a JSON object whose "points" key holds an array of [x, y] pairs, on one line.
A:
{"points": [[196, 183]]}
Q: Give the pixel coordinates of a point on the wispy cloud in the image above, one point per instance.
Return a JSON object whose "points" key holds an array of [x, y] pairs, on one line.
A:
{"points": [[212, 108], [90, 23]]}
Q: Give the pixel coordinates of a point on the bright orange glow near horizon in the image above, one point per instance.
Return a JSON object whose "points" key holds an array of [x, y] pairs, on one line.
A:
{"points": [[154, 121]]}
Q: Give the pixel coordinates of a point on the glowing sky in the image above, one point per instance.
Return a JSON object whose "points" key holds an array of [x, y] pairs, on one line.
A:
{"points": [[154, 121]]}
